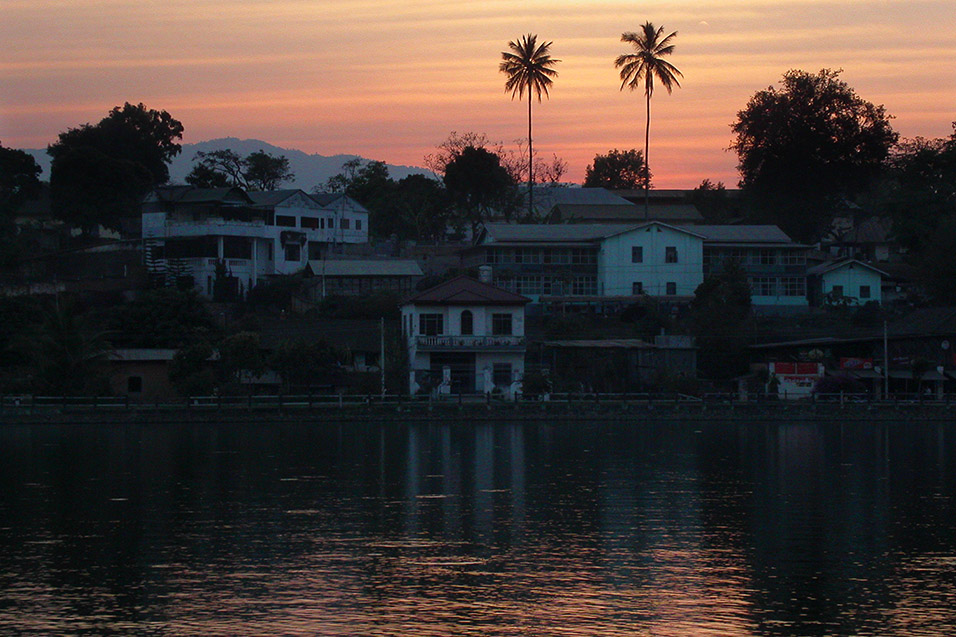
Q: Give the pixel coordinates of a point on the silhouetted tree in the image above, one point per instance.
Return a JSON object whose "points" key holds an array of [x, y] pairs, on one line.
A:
{"points": [[69, 359], [919, 189], [642, 67], [18, 183], [256, 171], [528, 67], [101, 172], [480, 185], [805, 147], [720, 306], [617, 170]]}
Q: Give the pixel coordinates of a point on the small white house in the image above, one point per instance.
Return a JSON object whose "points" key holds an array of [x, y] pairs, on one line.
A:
{"points": [[848, 280], [465, 336]]}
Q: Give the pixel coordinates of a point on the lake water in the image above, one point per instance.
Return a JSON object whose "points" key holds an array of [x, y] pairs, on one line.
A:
{"points": [[479, 529]]}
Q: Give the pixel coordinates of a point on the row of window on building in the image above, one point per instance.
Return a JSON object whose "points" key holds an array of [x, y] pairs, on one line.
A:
{"points": [[765, 256], [429, 324], [536, 285], [317, 223], [546, 256]]}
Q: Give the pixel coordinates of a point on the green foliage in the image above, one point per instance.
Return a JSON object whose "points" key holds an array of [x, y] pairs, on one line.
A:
{"points": [[806, 146], [101, 172], [265, 172], [191, 372], [480, 186], [163, 317], [419, 208], [617, 170], [275, 293], [535, 383], [720, 306], [18, 183], [937, 260], [303, 364], [641, 68], [239, 354], [712, 202], [528, 66], [222, 168], [722, 301], [376, 305], [919, 195], [18, 179], [68, 358]]}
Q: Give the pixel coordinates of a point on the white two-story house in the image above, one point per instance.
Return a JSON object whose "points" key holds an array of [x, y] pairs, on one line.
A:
{"points": [[192, 232], [465, 336]]}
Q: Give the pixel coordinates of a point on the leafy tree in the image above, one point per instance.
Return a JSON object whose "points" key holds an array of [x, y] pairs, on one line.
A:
{"points": [[301, 364], [18, 183], [240, 353], [806, 146], [711, 200], [68, 358], [190, 370], [368, 183], [528, 67], [257, 171], [203, 175], [720, 306], [163, 317], [617, 170], [919, 192], [100, 172], [422, 208], [18, 179], [89, 188], [479, 185], [642, 67]]}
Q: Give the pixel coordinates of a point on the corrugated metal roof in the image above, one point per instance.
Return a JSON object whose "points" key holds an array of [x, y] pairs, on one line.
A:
{"points": [[273, 197], [823, 268], [631, 213], [569, 232], [325, 198], [365, 267], [741, 234], [143, 354], [583, 197]]}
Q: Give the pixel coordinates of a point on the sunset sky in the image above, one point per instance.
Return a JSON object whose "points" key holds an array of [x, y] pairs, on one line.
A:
{"points": [[389, 80]]}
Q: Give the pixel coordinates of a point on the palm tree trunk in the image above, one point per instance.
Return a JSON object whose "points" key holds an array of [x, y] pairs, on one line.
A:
{"points": [[647, 167], [530, 164]]}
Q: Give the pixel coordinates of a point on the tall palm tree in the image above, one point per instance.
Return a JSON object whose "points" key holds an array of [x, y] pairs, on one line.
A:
{"points": [[641, 67], [528, 67]]}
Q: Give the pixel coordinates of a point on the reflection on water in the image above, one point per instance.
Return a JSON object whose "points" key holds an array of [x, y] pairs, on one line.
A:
{"points": [[478, 529]]}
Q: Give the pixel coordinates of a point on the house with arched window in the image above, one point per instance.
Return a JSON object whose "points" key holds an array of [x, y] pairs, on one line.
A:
{"points": [[465, 336]]}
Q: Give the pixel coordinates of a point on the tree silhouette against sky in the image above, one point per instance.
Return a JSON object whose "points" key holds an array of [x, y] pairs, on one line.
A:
{"points": [[528, 67], [640, 68]]}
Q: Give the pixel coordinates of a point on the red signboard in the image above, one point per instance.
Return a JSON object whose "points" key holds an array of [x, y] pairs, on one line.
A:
{"points": [[856, 363], [802, 369]]}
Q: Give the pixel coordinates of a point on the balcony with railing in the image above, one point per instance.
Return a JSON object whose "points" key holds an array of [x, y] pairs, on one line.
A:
{"points": [[469, 343]]}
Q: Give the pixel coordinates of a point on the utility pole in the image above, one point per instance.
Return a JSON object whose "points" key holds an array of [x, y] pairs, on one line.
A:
{"points": [[381, 355], [886, 364]]}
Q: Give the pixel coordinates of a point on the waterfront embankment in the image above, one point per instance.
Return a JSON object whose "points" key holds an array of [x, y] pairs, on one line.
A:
{"points": [[472, 409]]}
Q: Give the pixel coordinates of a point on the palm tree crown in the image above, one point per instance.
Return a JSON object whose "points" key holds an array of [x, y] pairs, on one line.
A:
{"points": [[528, 67], [642, 67]]}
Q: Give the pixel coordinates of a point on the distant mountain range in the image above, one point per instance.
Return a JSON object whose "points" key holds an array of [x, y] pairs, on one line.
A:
{"points": [[310, 170]]}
